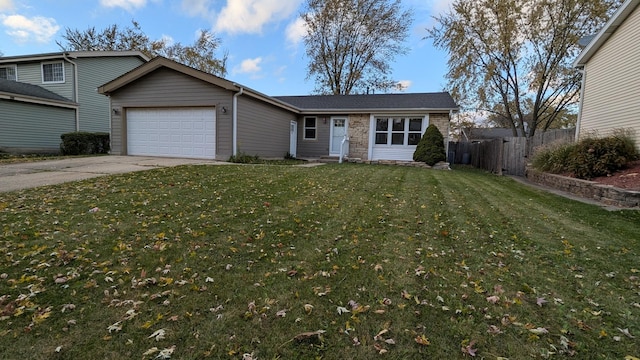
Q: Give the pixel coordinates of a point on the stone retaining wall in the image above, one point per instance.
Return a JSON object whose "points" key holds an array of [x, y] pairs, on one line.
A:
{"points": [[605, 194]]}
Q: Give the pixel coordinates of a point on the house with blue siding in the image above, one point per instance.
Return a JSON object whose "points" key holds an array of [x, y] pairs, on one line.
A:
{"points": [[74, 76]]}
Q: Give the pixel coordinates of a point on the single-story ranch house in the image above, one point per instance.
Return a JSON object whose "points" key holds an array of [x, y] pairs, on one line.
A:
{"points": [[164, 108]]}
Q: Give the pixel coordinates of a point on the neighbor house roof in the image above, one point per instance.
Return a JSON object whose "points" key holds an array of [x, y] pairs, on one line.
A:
{"points": [[607, 30], [14, 90], [71, 55], [372, 102], [162, 62]]}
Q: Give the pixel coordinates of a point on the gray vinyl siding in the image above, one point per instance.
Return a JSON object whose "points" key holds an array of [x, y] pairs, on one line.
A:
{"points": [[263, 129], [168, 88], [319, 146], [31, 73], [612, 87], [34, 127], [93, 72]]}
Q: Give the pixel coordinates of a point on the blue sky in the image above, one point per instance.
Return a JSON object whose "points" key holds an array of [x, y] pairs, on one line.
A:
{"points": [[262, 37]]}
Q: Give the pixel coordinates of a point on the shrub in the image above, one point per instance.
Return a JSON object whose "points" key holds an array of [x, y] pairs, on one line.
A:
{"points": [[430, 149], [243, 158], [83, 143], [553, 158], [599, 157]]}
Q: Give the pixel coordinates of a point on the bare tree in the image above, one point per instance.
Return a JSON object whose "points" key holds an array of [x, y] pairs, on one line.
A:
{"points": [[351, 43], [201, 55], [513, 58]]}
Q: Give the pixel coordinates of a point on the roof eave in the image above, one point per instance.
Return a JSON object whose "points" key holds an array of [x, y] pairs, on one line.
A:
{"points": [[37, 100], [71, 54], [607, 30], [375, 111]]}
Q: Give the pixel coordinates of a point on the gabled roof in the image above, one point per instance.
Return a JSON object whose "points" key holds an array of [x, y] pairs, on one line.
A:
{"points": [[440, 101], [609, 28], [162, 62], [71, 55], [14, 90]]}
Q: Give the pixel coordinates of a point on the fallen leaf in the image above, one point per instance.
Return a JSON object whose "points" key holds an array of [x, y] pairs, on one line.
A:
{"points": [[626, 333], [341, 310], [539, 331], [422, 340], [493, 299], [540, 301], [158, 335], [468, 349]]}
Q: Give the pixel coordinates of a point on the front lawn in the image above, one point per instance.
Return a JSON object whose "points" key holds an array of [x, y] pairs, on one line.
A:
{"points": [[334, 262]]}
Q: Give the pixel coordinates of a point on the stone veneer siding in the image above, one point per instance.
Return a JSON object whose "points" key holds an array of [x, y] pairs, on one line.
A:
{"points": [[359, 136]]}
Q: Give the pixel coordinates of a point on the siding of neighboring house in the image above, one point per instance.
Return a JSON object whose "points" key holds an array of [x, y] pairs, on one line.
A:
{"points": [[612, 83], [318, 147], [31, 73], [93, 72], [32, 127], [154, 90], [263, 129]]}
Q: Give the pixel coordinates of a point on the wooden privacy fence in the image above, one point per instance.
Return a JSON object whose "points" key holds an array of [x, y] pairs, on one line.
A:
{"points": [[505, 156]]}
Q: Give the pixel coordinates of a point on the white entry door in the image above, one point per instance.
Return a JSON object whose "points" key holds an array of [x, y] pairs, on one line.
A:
{"points": [[339, 128], [293, 142]]}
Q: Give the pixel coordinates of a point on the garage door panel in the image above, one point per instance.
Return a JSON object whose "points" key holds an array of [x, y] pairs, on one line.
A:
{"points": [[179, 132]]}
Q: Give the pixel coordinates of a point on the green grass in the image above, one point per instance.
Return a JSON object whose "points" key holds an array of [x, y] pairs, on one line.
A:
{"points": [[266, 260]]}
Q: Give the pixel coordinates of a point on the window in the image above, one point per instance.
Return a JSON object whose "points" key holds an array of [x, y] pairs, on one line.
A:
{"points": [[310, 128], [398, 131], [53, 72], [8, 73]]}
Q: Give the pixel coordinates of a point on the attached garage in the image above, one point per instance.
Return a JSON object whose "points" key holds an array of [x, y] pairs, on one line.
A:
{"points": [[172, 132]]}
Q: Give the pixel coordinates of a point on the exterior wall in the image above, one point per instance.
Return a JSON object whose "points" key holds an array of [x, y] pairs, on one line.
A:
{"points": [[612, 83], [441, 121], [263, 129], [359, 136], [32, 127], [93, 72], [167, 88], [320, 146], [31, 73]]}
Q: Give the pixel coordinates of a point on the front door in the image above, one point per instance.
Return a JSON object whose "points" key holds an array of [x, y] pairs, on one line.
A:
{"points": [[293, 142], [339, 128]]}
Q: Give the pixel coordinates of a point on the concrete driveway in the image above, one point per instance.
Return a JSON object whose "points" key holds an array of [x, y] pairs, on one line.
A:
{"points": [[50, 172]]}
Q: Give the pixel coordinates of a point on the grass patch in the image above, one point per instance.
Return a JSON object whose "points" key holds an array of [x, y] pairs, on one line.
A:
{"points": [[335, 262], [10, 158]]}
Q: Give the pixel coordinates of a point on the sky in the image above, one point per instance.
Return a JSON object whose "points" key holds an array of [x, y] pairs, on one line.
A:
{"points": [[263, 38]]}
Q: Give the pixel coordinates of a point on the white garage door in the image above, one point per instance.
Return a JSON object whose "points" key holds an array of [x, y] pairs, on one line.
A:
{"points": [[179, 132]]}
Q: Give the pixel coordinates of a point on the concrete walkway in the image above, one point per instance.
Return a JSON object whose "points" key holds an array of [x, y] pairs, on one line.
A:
{"points": [[50, 172]]}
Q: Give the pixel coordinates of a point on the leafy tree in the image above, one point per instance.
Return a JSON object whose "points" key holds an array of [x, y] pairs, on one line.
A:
{"points": [[350, 43], [513, 58], [430, 149], [201, 55]]}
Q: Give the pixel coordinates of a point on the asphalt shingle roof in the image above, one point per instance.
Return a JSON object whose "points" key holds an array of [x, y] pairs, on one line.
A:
{"points": [[24, 89], [439, 100]]}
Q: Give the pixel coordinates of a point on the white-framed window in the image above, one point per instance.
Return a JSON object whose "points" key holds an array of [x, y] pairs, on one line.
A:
{"points": [[53, 72], [9, 72], [310, 128], [399, 131]]}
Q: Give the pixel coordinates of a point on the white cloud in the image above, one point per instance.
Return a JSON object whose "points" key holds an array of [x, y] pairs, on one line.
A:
{"points": [[249, 66], [249, 16], [6, 5], [197, 7], [296, 31], [23, 29], [128, 5], [404, 85]]}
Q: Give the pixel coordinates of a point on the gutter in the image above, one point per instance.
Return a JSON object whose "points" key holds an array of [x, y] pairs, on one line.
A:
{"points": [[583, 82], [75, 88], [235, 120]]}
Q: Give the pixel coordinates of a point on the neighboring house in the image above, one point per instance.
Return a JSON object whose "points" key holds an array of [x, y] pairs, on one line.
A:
{"points": [[33, 118], [74, 75], [164, 108], [610, 94]]}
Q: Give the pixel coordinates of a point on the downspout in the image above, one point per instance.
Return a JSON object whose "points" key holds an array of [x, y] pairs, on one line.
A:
{"points": [[234, 120], [75, 88], [583, 81]]}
